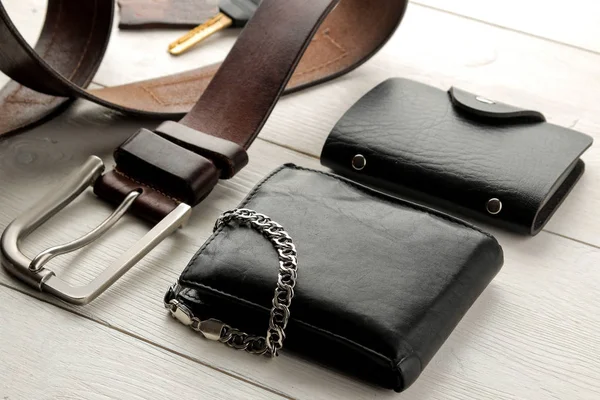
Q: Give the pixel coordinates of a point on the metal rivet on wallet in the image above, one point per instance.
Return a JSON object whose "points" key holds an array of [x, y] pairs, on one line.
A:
{"points": [[359, 162], [494, 206]]}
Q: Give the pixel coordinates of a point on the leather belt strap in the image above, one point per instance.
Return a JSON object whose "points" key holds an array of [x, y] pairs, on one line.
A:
{"points": [[287, 43]]}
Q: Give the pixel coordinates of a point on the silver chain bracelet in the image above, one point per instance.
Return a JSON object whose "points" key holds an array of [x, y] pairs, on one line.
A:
{"points": [[284, 292]]}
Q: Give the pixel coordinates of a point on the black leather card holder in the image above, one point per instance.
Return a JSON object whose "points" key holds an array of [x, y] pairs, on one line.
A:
{"points": [[458, 152], [381, 282]]}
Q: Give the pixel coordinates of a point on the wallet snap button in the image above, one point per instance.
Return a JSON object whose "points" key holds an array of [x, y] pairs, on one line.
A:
{"points": [[494, 206], [359, 162]]}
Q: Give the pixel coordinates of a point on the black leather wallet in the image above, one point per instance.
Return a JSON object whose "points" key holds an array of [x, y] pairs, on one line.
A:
{"points": [[381, 282], [459, 152]]}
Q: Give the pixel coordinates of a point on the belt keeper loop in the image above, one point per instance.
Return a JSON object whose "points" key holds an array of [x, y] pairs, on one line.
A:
{"points": [[228, 156], [151, 160]]}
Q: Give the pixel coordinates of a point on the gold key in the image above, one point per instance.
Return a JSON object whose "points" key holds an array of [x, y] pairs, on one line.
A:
{"points": [[234, 13]]}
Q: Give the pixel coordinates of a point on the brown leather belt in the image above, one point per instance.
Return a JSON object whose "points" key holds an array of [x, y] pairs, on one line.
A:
{"points": [[288, 45]]}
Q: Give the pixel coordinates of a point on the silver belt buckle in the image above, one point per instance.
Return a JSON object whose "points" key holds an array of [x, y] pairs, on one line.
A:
{"points": [[33, 272]]}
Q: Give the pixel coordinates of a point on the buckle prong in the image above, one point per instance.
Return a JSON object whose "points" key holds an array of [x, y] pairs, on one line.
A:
{"points": [[42, 258], [33, 272]]}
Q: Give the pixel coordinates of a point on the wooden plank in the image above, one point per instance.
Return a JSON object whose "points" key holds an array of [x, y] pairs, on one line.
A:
{"points": [[28, 17], [507, 66], [49, 353], [562, 82], [531, 334], [576, 23], [144, 53]]}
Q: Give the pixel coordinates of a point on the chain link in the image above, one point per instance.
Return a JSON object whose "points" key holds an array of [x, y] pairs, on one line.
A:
{"points": [[282, 298]]}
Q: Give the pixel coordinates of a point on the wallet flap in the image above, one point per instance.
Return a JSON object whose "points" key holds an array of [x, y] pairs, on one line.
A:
{"points": [[381, 282], [485, 108], [410, 139]]}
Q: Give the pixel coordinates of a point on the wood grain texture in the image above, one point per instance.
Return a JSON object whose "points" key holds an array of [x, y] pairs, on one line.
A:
{"points": [[49, 353], [531, 335], [576, 22], [561, 82], [507, 66]]}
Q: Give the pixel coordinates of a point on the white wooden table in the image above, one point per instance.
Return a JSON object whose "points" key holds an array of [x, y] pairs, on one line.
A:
{"points": [[533, 334]]}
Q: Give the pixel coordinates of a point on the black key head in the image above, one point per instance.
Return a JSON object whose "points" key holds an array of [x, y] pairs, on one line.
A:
{"points": [[240, 11]]}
